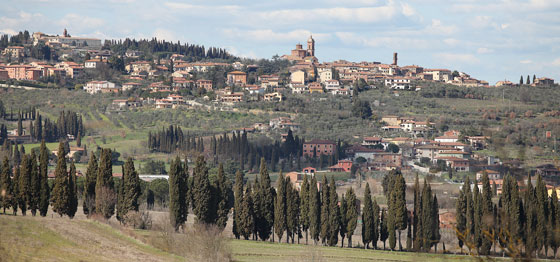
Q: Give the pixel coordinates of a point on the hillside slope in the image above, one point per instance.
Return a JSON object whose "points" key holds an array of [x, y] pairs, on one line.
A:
{"points": [[61, 239]]}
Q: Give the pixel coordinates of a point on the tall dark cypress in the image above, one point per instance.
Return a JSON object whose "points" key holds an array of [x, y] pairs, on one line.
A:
{"points": [[280, 207], [400, 214], [376, 224], [461, 212], [343, 219], [24, 184], [367, 218], [72, 192], [35, 185], [325, 193], [44, 180], [223, 196], [6, 192], [89, 186], [59, 195], [416, 233], [266, 210], [105, 195], [177, 194], [201, 192], [487, 210], [351, 214], [542, 215], [247, 222], [436, 236], [334, 214], [132, 188], [383, 229], [314, 211], [238, 196], [304, 210], [292, 212]]}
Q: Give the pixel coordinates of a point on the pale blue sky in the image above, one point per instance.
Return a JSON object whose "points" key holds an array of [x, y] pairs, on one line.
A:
{"points": [[491, 40]]}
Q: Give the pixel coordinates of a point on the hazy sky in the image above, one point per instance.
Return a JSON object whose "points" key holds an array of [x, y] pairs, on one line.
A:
{"points": [[491, 40]]}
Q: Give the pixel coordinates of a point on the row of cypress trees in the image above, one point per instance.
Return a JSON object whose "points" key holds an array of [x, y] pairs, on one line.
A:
{"points": [[27, 188], [210, 200], [520, 223]]}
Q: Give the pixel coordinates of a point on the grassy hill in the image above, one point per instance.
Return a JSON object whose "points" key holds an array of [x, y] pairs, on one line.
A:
{"points": [[62, 239]]}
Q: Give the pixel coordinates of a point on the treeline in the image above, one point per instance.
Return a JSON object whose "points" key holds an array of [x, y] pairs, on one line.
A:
{"points": [[286, 155], [171, 139], [260, 211], [13, 40], [520, 224], [68, 123], [191, 51], [210, 201], [27, 188]]}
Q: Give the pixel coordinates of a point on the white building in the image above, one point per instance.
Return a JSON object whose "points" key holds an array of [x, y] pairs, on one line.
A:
{"points": [[94, 87], [398, 82], [332, 84]]}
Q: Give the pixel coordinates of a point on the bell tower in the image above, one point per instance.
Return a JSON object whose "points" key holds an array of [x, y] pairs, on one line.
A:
{"points": [[311, 46]]}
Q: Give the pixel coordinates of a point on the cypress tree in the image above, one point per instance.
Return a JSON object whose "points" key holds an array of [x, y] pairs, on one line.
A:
{"points": [[201, 192], [399, 216], [6, 192], [15, 190], [44, 180], [542, 215], [266, 208], [247, 223], [416, 217], [478, 223], [554, 220], [304, 210], [280, 207], [351, 214], [292, 212], [238, 196], [105, 195], [72, 192], [120, 196], [436, 236], [391, 229], [325, 227], [487, 210], [521, 80], [132, 188], [89, 186], [59, 195], [367, 218], [427, 232], [383, 230], [177, 194], [343, 220], [528, 80], [314, 211], [376, 224], [223, 194], [334, 214], [35, 185], [24, 184], [460, 216]]}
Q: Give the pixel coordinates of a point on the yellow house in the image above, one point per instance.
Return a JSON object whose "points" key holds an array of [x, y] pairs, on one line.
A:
{"points": [[315, 88], [391, 120], [297, 77]]}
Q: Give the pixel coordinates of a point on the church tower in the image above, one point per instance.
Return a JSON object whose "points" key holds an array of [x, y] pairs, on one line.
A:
{"points": [[311, 46]]}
